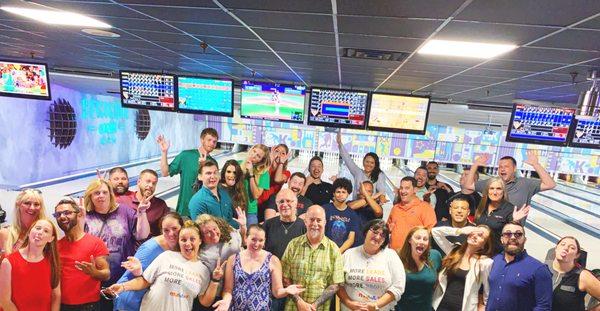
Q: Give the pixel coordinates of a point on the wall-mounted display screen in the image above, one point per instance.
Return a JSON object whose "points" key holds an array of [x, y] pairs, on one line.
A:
{"points": [[398, 113], [24, 79], [147, 90], [269, 101], [205, 95], [338, 108], [540, 125], [585, 132]]}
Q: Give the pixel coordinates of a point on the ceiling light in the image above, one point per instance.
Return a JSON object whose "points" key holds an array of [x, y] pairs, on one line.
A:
{"points": [[465, 49], [100, 33], [54, 17]]}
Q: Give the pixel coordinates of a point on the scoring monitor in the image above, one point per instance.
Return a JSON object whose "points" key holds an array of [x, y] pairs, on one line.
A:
{"points": [[586, 132], [338, 108], [540, 125], [145, 90], [270, 101], [398, 113], [205, 95]]}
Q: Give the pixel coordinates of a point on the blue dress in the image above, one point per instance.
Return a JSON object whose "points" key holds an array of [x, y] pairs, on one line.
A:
{"points": [[251, 291]]}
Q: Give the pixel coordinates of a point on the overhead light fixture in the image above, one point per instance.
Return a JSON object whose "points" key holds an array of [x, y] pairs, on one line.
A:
{"points": [[465, 49], [100, 33], [54, 17]]}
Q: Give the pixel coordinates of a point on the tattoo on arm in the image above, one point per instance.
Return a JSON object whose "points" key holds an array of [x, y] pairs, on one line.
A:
{"points": [[327, 293]]}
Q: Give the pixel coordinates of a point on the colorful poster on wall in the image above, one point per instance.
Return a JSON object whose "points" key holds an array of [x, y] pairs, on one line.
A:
{"points": [[246, 134], [383, 146], [293, 138], [420, 149], [398, 147], [579, 164], [326, 142], [463, 153]]}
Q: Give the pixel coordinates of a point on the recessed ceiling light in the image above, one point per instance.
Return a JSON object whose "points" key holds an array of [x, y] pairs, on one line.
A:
{"points": [[100, 33], [465, 49], [54, 17]]}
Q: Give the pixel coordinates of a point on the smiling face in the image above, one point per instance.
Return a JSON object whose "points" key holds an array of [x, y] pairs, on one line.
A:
{"points": [[421, 177], [506, 170], [41, 233], [432, 170], [419, 242], [287, 202], [119, 182], [29, 208], [315, 168], [208, 142], [478, 238], [513, 239], [368, 164], [406, 191], [566, 250], [101, 198], [230, 175], [189, 243], [68, 217], [255, 239], [147, 184], [459, 210], [255, 155], [210, 176], [296, 183], [170, 228], [375, 237], [496, 191], [211, 234], [315, 222], [278, 152]]}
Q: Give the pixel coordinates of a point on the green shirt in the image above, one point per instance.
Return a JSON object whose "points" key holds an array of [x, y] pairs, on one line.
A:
{"points": [[264, 182], [418, 292], [186, 165], [313, 268]]}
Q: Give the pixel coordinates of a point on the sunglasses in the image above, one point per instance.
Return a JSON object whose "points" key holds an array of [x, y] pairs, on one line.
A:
{"points": [[509, 234], [38, 191]]}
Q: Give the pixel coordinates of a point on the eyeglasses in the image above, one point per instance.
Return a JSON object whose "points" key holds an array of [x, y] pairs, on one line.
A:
{"points": [[284, 201], [377, 231], [509, 234], [67, 213]]}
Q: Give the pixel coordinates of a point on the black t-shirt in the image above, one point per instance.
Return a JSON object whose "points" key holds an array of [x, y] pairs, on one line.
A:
{"points": [[496, 221], [320, 194], [441, 197], [303, 204], [279, 234]]}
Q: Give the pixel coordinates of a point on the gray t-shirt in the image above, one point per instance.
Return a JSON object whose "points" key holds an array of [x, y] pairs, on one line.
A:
{"points": [[209, 254], [176, 282], [520, 190]]}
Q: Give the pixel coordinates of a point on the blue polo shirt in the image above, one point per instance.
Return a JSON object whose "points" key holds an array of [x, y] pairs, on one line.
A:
{"points": [[524, 284], [205, 202]]}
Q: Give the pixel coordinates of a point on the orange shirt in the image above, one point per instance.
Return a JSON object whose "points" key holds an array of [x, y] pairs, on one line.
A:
{"points": [[404, 217]]}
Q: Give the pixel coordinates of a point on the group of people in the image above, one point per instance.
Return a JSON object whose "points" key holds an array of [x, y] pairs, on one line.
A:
{"points": [[251, 235]]}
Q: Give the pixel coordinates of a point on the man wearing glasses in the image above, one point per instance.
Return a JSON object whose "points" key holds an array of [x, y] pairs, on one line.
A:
{"points": [[517, 280], [83, 259], [296, 184]]}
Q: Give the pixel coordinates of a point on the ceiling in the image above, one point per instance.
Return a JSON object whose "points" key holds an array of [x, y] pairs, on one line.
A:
{"points": [[301, 42]]}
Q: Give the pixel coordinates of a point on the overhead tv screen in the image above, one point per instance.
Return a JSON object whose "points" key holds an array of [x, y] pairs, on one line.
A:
{"points": [[338, 108], [24, 79], [269, 101], [585, 132], [540, 125], [398, 113], [145, 90], [205, 95]]}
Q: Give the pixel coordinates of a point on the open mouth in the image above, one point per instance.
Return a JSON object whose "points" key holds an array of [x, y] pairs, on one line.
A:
{"points": [[420, 249]]}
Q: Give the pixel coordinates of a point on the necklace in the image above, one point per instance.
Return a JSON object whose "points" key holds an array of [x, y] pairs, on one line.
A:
{"points": [[285, 229]]}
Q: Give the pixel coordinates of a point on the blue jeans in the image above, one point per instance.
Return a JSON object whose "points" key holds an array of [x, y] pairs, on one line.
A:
{"points": [[251, 219], [278, 304]]}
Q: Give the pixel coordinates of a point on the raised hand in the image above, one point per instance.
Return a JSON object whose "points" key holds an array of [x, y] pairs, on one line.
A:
{"points": [[219, 270], [532, 158], [241, 219], [481, 160], [202, 157], [519, 214], [468, 230], [332, 178], [132, 265], [144, 204], [88, 268], [338, 137], [100, 174], [163, 143], [249, 167]]}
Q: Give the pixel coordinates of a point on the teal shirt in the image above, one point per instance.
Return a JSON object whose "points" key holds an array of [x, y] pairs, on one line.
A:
{"points": [[205, 202], [418, 293], [186, 165]]}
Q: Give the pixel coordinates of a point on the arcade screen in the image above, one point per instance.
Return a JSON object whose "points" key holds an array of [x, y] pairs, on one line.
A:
{"points": [[24, 79], [205, 95], [540, 125], [338, 108], [279, 102], [586, 132], [398, 113], [148, 90]]}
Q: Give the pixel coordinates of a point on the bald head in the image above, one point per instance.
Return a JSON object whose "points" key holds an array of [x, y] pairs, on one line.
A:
{"points": [[287, 203], [315, 223]]}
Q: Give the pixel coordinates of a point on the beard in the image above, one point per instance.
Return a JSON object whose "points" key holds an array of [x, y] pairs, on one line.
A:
{"points": [[431, 176], [121, 189], [512, 250], [67, 227]]}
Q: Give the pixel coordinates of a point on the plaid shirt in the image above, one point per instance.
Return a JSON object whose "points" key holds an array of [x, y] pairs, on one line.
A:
{"points": [[315, 269]]}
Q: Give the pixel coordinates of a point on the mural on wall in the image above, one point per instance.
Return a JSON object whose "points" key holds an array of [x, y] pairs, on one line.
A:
{"points": [[42, 141]]}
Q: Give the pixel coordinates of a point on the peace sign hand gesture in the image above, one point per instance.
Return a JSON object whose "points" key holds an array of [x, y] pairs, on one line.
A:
{"points": [[144, 204], [219, 270]]}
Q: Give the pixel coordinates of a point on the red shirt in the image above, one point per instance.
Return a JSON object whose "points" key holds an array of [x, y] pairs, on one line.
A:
{"points": [[158, 208], [30, 283], [77, 287], [275, 187]]}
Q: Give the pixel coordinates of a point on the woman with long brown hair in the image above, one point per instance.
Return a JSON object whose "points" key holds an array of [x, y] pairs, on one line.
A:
{"points": [[494, 210], [465, 269], [232, 179], [30, 276], [29, 208], [421, 264]]}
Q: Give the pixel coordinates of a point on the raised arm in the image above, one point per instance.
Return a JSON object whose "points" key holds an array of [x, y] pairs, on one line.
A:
{"points": [[280, 177], [547, 181], [225, 302], [441, 234], [164, 145], [469, 181], [352, 167]]}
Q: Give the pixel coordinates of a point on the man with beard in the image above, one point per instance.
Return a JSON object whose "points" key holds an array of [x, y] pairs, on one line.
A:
{"points": [[295, 184], [83, 260], [442, 191], [408, 213], [520, 190], [280, 230], [119, 180], [313, 261], [315, 189], [145, 195], [518, 282], [421, 190]]}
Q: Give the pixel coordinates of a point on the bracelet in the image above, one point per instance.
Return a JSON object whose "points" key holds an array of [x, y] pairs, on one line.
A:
{"points": [[215, 280]]}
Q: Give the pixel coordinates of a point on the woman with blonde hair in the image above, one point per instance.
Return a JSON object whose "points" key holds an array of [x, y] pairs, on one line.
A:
{"points": [[257, 179], [29, 207], [30, 276], [494, 210], [421, 264], [118, 227], [465, 269]]}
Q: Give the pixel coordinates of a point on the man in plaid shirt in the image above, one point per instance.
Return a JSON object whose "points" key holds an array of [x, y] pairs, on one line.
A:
{"points": [[315, 262]]}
